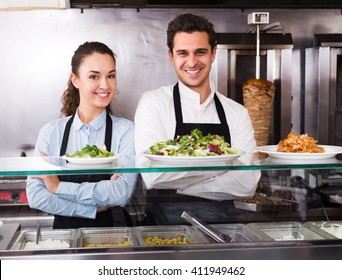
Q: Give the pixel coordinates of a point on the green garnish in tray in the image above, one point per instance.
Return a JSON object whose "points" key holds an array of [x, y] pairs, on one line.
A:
{"points": [[91, 152], [194, 144]]}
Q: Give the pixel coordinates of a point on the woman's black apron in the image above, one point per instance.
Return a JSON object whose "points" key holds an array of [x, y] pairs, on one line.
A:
{"points": [[157, 201], [103, 219]]}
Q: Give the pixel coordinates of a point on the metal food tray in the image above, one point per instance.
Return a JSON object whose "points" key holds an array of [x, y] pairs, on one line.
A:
{"points": [[26, 236], [263, 203], [331, 229], [9, 232], [238, 232], [285, 231], [105, 237], [165, 233]]}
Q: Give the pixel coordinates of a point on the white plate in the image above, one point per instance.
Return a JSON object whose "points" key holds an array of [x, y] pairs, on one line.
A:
{"points": [[193, 159], [271, 150], [90, 161]]}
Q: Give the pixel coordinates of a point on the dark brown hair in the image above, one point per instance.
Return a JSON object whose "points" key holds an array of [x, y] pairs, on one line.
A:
{"points": [[190, 23], [71, 97]]}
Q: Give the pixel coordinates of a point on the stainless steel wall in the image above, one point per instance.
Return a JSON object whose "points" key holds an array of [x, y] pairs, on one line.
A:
{"points": [[36, 48]]}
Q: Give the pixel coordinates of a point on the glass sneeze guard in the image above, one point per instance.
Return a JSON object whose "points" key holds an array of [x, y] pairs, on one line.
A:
{"points": [[18, 166]]}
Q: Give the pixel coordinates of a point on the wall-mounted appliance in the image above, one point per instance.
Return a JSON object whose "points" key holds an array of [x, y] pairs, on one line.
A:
{"points": [[235, 64], [323, 89]]}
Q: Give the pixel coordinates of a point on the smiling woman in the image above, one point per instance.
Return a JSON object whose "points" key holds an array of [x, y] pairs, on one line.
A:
{"points": [[96, 82], [93, 75], [84, 201]]}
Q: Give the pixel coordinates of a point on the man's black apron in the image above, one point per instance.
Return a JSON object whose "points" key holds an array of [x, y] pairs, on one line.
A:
{"points": [[103, 219], [156, 196]]}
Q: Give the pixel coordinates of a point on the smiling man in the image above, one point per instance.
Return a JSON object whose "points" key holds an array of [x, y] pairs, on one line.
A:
{"points": [[193, 103], [192, 56]]}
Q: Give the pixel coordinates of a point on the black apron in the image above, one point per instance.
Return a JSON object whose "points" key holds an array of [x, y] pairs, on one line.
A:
{"points": [[155, 198], [103, 219], [221, 129]]}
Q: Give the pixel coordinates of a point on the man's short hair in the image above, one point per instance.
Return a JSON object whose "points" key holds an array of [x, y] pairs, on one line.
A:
{"points": [[190, 23]]}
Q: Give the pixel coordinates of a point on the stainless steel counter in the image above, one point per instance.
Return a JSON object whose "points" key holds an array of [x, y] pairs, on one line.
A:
{"points": [[314, 250], [266, 249], [277, 250], [8, 234]]}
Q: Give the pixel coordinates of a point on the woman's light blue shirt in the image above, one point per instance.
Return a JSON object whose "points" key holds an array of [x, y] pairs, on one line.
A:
{"points": [[82, 199]]}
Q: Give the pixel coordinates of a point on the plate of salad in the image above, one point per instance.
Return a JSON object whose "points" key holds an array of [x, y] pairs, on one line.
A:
{"points": [[193, 147], [91, 154]]}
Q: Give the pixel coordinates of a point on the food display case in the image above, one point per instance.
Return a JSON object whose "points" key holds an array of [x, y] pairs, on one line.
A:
{"points": [[239, 233], [286, 231], [331, 229], [282, 180], [44, 239], [169, 235], [105, 237]]}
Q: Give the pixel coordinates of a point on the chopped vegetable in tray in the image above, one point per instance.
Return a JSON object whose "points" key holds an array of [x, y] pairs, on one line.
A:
{"points": [[91, 152], [166, 241], [195, 144], [93, 245]]}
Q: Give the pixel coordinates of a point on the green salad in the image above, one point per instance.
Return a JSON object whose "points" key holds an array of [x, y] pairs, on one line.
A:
{"points": [[91, 152], [195, 144]]}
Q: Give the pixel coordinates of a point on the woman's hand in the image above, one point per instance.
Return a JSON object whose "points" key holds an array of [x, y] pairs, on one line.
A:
{"points": [[115, 176], [51, 182]]}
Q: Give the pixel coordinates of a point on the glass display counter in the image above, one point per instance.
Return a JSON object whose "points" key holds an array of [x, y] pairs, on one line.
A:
{"points": [[290, 192]]}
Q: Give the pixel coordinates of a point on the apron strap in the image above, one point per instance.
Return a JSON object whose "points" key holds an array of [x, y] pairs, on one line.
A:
{"points": [[108, 135], [220, 110], [66, 136], [177, 104], [178, 107]]}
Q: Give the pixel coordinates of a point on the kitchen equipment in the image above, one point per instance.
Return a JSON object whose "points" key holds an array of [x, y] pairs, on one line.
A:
{"points": [[330, 194], [38, 234], [323, 89], [238, 232], [12, 191], [8, 234], [212, 232], [330, 229], [258, 97], [284, 231], [235, 64], [168, 235], [49, 239], [258, 18], [263, 203], [105, 237]]}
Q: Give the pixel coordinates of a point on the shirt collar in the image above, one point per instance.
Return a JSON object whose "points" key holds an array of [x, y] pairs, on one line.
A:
{"points": [[95, 124], [192, 96]]}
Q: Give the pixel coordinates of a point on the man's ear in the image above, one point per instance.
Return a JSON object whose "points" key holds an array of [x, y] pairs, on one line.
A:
{"points": [[170, 56], [74, 80], [213, 55]]}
